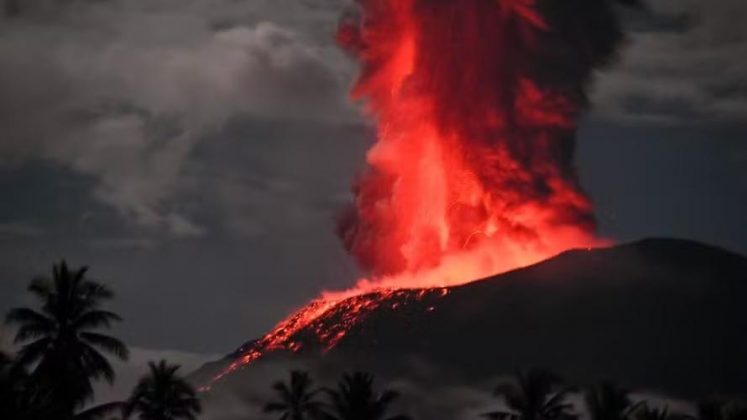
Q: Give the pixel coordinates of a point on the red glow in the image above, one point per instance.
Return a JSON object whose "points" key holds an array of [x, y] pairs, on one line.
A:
{"points": [[472, 172], [328, 319]]}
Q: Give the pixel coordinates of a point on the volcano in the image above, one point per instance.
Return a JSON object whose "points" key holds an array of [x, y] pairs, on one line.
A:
{"points": [[662, 314], [476, 105]]}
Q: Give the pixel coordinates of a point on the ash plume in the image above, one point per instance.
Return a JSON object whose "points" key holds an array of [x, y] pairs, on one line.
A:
{"points": [[476, 103], [472, 173]]}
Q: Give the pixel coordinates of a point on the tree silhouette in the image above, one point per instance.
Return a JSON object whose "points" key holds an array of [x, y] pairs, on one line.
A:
{"points": [[60, 340], [297, 400], [354, 399], [608, 402], [533, 395], [163, 395]]}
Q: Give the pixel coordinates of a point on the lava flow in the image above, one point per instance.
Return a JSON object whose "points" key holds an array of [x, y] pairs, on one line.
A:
{"points": [[472, 174], [327, 320]]}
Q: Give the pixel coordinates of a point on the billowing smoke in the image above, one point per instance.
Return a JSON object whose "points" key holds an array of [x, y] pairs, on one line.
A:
{"points": [[476, 104]]}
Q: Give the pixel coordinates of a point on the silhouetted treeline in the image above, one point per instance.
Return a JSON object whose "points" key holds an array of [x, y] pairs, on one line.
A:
{"points": [[531, 395], [63, 351], [354, 398]]}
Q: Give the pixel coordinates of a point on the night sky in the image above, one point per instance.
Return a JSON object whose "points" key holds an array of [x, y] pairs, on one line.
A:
{"points": [[196, 153]]}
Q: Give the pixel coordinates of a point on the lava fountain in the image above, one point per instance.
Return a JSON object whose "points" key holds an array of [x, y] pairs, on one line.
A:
{"points": [[472, 174]]}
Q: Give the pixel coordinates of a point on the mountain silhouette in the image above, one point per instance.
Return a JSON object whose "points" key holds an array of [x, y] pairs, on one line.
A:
{"points": [[662, 314]]}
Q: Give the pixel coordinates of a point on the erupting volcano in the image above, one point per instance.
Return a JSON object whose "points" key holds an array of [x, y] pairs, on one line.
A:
{"points": [[472, 174]]}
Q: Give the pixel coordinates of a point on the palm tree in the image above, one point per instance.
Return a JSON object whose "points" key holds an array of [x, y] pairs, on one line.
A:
{"points": [[297, 399], [60, 340], [354, 399], [533, 396], [163, 395], [17, 392], [608, 402]]}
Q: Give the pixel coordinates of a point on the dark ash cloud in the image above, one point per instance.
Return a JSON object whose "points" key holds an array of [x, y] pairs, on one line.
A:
{"points": [[685, 63]]}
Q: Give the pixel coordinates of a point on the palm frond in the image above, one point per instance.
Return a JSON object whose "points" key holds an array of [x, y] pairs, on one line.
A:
{"points": [[96, 365], [41, 287], [95, 319], [107, 343], [556, 401], [32, 323], [163, 391], [95, 291], [34, 351], [388, 397]]}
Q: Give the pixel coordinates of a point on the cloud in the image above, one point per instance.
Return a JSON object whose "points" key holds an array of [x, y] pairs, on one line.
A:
{"points": [[125, 91], [685, 62], [137, 243], [21, 229]]}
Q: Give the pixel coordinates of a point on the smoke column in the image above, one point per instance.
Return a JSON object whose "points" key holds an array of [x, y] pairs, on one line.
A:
{"points": [[476, 103]]}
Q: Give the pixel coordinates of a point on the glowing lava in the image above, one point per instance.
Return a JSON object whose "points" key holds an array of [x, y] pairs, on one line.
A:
{"points": [[327, 319], [472, 174]]}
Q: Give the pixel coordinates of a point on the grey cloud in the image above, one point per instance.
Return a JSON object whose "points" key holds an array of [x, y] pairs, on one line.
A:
{"points": [[19, 229], [124, 91], [685, 62], [137, 243], [277, 179]]}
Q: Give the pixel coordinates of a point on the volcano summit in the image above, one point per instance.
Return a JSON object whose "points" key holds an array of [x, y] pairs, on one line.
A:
{"points": [[476, 104], [662, 314]]}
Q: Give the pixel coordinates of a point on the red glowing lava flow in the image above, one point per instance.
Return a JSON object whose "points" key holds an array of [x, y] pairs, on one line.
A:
{"points": [[328, 319], [475, 103]]}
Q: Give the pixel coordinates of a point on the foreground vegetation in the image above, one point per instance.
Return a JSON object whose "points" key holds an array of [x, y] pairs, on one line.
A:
{"points": [[532, 395], [64, 349]]}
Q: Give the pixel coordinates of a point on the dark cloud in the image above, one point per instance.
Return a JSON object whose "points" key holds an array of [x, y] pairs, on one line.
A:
{"points": [[685, 63], [107, 91]]}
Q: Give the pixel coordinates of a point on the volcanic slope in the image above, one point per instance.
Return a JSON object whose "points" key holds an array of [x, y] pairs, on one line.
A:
{"points": [[663, 314]]}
